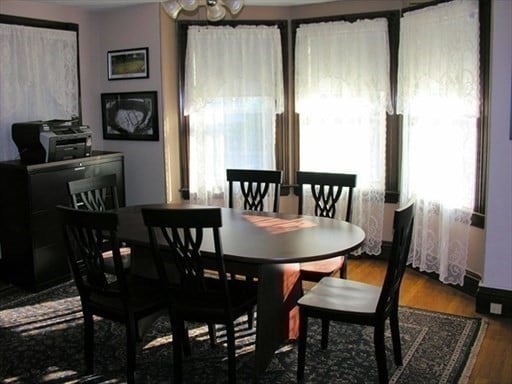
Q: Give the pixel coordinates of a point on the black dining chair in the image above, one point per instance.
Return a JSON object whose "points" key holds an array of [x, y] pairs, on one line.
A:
{"points": [[255, 186], [99, 193], [176, 237], [354, 302], [326, 191], [115, 295]]}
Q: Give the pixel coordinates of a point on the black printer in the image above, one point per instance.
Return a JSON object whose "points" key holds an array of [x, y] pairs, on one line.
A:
{"points": [[52, 140]]}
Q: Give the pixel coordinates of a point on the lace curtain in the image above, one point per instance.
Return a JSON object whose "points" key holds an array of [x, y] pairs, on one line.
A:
{"points": [[38, 78], [233, 91], [342, 95], [438, 96]]}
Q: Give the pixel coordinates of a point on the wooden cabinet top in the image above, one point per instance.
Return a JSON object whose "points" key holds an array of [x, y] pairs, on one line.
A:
{"points": [[41, 167]]}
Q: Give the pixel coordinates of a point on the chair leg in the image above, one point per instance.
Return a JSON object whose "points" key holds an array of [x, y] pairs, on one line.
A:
{"points": [[303, 334], [131, 338], [250, 312], [187, 350], [212, 333], [88, 342], [250, 318], [230, 335], [380, 352], [343, 270], [178, 333], [395, 336], [325, 334]]}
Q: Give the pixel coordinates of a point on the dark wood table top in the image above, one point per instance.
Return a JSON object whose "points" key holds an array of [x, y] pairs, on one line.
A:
{"points": [[261, 237]]}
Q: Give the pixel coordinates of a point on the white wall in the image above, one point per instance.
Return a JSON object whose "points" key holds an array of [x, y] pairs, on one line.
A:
{"points": [[125, 28], [498, 240]]}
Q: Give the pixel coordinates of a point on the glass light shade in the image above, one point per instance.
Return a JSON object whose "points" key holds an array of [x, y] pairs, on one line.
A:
{"points": [[189, 5], [172, 8], [215, 12], [234, 6]]}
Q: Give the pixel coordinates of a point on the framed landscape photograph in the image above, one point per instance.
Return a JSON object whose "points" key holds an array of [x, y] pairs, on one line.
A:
{"points": [[128, 64], [130, 115]]}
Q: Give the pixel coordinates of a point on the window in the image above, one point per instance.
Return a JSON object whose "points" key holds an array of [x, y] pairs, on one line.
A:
{"points": [[342, 94], [439, 99], [39, 74], [233, 108]]}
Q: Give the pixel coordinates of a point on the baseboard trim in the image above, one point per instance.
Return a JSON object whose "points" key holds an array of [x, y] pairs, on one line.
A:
{"points": [[487, 296], [471, 279]]}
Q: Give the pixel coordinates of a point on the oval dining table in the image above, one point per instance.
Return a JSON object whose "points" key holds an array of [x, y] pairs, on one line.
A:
{"points": [[266, 245]]}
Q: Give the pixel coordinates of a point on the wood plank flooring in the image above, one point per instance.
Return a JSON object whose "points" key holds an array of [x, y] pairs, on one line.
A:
{"points": [[494, 361]]}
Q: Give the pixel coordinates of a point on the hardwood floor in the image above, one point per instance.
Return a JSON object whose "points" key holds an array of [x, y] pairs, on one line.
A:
{"points": [[494, 361]]}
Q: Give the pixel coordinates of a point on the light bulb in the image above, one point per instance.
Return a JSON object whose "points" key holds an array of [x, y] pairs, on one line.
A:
{"points": [[189, 5], [234, 6], [215, 12], [172, 8]]}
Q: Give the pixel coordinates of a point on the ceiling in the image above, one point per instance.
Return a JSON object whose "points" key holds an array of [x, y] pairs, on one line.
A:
{"points": [[103, 4]]}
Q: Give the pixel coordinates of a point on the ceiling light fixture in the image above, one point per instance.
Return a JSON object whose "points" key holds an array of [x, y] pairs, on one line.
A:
{"points": [[215, 9]]}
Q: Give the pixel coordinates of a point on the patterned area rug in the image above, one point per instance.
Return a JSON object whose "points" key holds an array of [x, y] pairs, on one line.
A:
{"points": [[41, 342]]}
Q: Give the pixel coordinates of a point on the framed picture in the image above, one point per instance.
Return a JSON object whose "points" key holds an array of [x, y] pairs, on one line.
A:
{"points": [[128, 64], [130, 115]]}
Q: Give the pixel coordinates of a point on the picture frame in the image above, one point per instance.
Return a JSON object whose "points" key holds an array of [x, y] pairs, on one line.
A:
{"points": [[130, 116], [128, 64]]}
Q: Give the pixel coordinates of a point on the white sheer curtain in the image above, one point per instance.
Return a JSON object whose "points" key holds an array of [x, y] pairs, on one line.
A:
{"points": [[438, 95], [38, 78], [233, 91], [342, 94]]}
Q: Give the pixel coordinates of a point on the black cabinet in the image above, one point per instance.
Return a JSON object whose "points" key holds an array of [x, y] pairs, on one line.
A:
{"points": [[32, 250]]}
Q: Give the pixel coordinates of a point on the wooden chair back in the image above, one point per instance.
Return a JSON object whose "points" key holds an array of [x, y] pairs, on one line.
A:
{"points": [[182, 231], [326, 190], [255, 186], [97, 193], [403, 223], [85, 233]]}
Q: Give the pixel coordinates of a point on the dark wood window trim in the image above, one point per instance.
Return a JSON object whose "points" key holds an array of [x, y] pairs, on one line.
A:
{"points": [[282, 142]]}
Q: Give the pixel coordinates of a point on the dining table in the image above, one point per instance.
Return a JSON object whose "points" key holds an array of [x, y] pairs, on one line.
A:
{"points": [[265, 245]]}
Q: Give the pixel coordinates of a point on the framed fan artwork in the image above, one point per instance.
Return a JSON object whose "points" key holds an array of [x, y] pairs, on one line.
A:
{"points": [[130, 115]]}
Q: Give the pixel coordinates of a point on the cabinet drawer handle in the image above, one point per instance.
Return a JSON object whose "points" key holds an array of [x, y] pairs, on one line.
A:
{"points": [[79, 168]]}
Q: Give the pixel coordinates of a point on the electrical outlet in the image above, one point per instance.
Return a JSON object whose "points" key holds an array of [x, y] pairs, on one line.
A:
{"points": [[495, 308]]}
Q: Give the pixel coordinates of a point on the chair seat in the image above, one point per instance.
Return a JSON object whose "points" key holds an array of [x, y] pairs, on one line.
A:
{"points": [[146, 296], [341, 295], [316, 270], [125, 258]]}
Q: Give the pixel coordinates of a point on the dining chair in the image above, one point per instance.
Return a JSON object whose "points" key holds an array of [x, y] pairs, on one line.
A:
{"points": [[198, 296], [99, 193], [118, 296], [326, 192], [354, 302], [255, 187]]}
